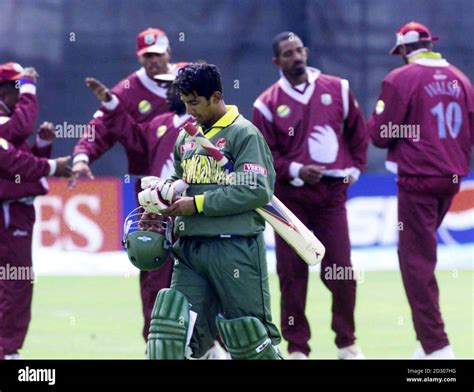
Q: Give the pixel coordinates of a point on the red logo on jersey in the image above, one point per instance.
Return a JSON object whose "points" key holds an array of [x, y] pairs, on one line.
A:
{"points": [[187, 146], [220, 143], [254, 168]]}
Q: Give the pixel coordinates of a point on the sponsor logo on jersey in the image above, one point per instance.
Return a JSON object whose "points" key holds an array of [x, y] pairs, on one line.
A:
{"points": [[202, 169], [326, 99], [254, 168], [161, 130], [323, 144], [3, 144], [187, 147], [144, 106], [4, 119], [380, 107], [220, 143], [283, 111], [144, 238]]}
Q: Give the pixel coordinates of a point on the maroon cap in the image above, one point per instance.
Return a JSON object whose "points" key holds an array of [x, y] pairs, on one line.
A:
{"points": [[10, 72], [410, 33], [152, 41]]}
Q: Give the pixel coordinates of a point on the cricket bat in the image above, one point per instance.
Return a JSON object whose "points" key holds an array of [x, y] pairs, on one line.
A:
{"points": [[283, 221]]}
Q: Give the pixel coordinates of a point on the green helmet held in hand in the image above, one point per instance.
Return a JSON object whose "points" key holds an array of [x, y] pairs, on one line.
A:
{"points": [[147, 239]]}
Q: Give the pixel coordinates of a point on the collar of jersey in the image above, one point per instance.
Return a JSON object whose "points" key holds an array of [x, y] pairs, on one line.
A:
{"points": [[226, 120], [425, 55], [150, 84]]}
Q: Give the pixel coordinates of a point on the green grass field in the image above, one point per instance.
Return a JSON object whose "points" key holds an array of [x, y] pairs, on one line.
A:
{"points": [[100, 317]]}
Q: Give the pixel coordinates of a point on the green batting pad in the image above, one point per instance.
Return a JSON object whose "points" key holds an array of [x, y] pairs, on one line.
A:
{"points": [[168, 326], [246, 338]]}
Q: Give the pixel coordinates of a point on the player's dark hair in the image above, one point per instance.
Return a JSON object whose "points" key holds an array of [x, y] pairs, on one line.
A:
{"points": [[284, 36], [174, 100], [199, 78]]}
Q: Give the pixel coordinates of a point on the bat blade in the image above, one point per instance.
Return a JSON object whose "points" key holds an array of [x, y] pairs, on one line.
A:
{"points": [[293, 231]]}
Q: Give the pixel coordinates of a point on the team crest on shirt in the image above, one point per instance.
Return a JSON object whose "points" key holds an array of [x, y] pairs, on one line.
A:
{"points": [[283, 111], [144, 106], [380, 107], [3, 144], [326, 99], [220, 143], [161, 130]]}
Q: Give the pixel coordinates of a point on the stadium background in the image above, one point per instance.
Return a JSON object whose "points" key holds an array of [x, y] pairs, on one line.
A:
{"points": [[79, 233]]}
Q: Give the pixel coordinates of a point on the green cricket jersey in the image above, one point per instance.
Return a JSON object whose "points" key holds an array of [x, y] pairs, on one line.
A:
{"points": [[226, 204]]}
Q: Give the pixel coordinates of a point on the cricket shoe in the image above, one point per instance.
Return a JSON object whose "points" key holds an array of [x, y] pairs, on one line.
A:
{"points": [[443, 353], [216, 352], [297, 355], [350, 352], [13, 356]]}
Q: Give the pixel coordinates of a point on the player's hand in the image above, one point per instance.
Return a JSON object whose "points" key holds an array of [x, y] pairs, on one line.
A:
{"points": [[80, 169], [351, 179], [62, 167], [311, 174], [166, 190], [30, 73], [184, 206], [149, 182], [151, 201], [101, 92], [46, 131]]}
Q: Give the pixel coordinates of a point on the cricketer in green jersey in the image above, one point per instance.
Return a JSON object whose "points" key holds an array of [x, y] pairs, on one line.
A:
{"points": [[220, 278]]}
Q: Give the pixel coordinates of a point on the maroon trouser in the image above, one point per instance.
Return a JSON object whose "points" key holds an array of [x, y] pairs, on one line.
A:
{"points": [[422, 205], [325, 214], [16, 284], [150, 283]]}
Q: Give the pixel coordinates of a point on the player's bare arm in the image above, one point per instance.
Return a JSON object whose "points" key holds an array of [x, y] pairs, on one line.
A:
{"points": [[63, 169], [100, 91], [81, 169], [46, 132]]}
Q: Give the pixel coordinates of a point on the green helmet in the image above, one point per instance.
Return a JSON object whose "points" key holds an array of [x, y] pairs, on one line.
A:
{"points": [[147, 250]]}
